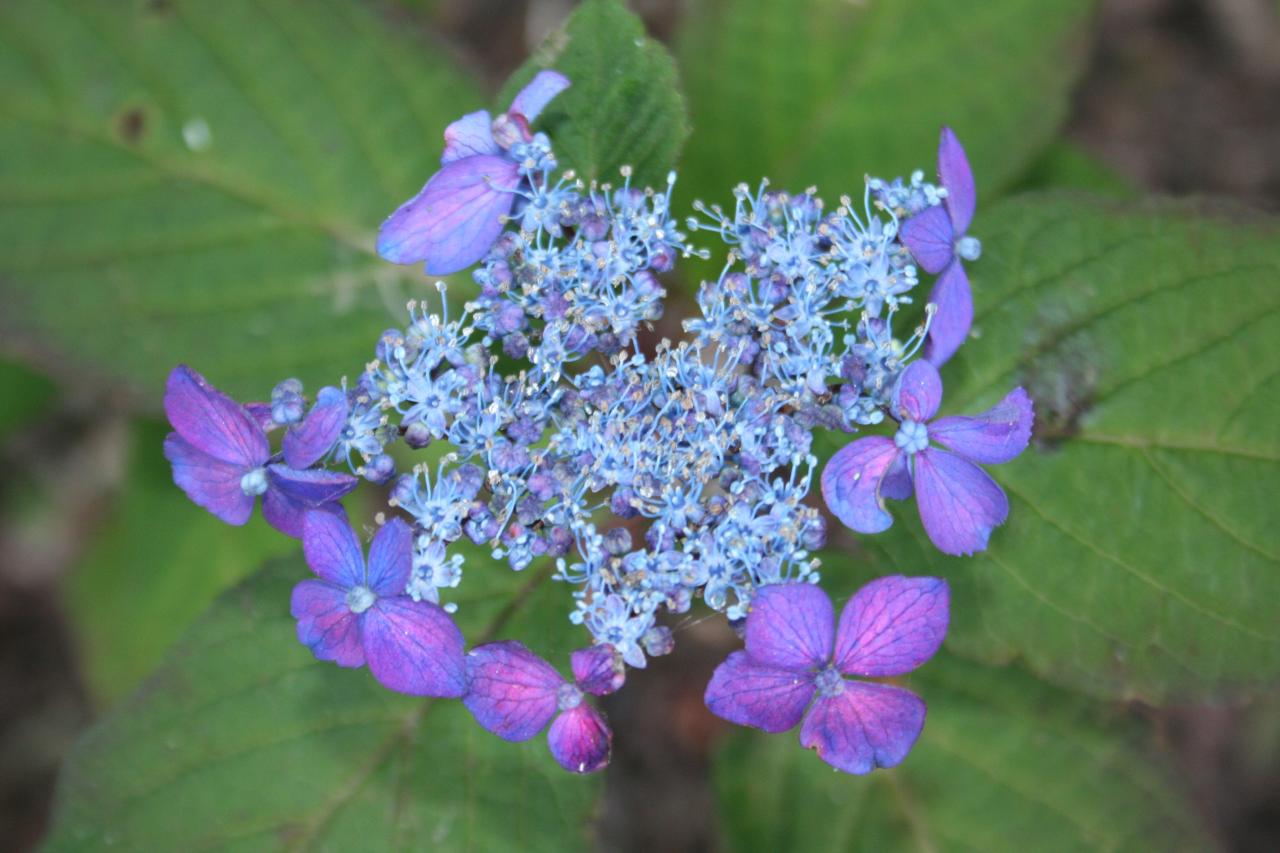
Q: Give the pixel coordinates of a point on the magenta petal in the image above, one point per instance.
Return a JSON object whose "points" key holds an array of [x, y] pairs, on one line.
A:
{"points": [[261, 414], [997, 435], [544, 86], [892, 625], [580, 740], [864, 727], [919, 392], [851, 483], [294, 493], [309, 441], [957, 177], [312, 488], [512, 691], [597, 670], [413, 647], [391, 558], [332, 549], [286, 514], [468, 136], [326, 624], [959, 503], [896, 484], [930, 238], [753, 694], [790, 625], [209, 482], [455, 219], [212, 422], [954, 317]]}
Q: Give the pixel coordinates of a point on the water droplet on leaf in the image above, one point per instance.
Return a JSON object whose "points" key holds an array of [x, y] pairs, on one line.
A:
{"points": [[197, 134]]}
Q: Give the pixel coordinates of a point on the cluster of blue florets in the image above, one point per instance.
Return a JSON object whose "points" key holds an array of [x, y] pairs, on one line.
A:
{"points": [[646, 473], [553, 412]]}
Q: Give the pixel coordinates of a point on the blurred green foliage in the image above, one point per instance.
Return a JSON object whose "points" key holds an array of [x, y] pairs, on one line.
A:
{"points": [[204, 180], [24, 394], [820, 92], [185, 181], [241, 741], [155, 568]]}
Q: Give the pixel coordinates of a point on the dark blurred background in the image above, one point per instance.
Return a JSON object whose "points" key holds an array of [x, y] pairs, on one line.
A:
{"points": [[1180, 96]]}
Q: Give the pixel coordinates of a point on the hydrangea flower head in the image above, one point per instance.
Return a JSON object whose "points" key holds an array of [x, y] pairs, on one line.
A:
{"points": [[551, 408], [451, 223], [357, 613], [796, 660], [938, 241], [515, 694], [221, 458], [959, 502]]}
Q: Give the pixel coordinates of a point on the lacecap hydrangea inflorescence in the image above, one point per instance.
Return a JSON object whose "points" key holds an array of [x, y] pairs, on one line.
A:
{"points": [[651, 476]]}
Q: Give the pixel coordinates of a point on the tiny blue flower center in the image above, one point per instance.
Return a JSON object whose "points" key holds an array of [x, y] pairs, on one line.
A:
{"points": [[255, 482], [360, 598], [568, 697], [969, 248], [912, 437], [829, 682]]}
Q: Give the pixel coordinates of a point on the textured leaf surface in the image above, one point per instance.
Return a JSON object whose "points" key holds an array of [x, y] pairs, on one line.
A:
{"points": [[824, 91], [624, 107], [241, 740], [201, 182], [1004, 763], [1142, 555], [155, 568]]}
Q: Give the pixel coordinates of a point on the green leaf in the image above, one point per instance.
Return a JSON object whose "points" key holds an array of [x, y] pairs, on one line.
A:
{"points": [[1004, 763], [158, 564], [825, 91], [1142, 556], [624, 107], [24, 394], [199, 182], [1068, 166], [242, 740]]}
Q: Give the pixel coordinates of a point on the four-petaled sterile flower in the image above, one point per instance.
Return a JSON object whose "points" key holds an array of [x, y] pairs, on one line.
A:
{"points": [[356, 613], [959, 502], [222, 460], [937, 239], [514, 694], [457, 216], [796, 658]]}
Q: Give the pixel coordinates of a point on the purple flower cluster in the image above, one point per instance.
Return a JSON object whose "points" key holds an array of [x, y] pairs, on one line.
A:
{"points": [[652, 476]]}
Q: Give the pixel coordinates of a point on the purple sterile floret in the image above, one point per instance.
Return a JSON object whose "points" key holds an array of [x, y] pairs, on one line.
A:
{"points": [[308, 442], [598, 669], [222, 460], [511, 691], [796, 658], [580, 740], [959, 502], [938, 241], [457, 216], [292, 494], [514, 694], [534, 97], [357, 613]]}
